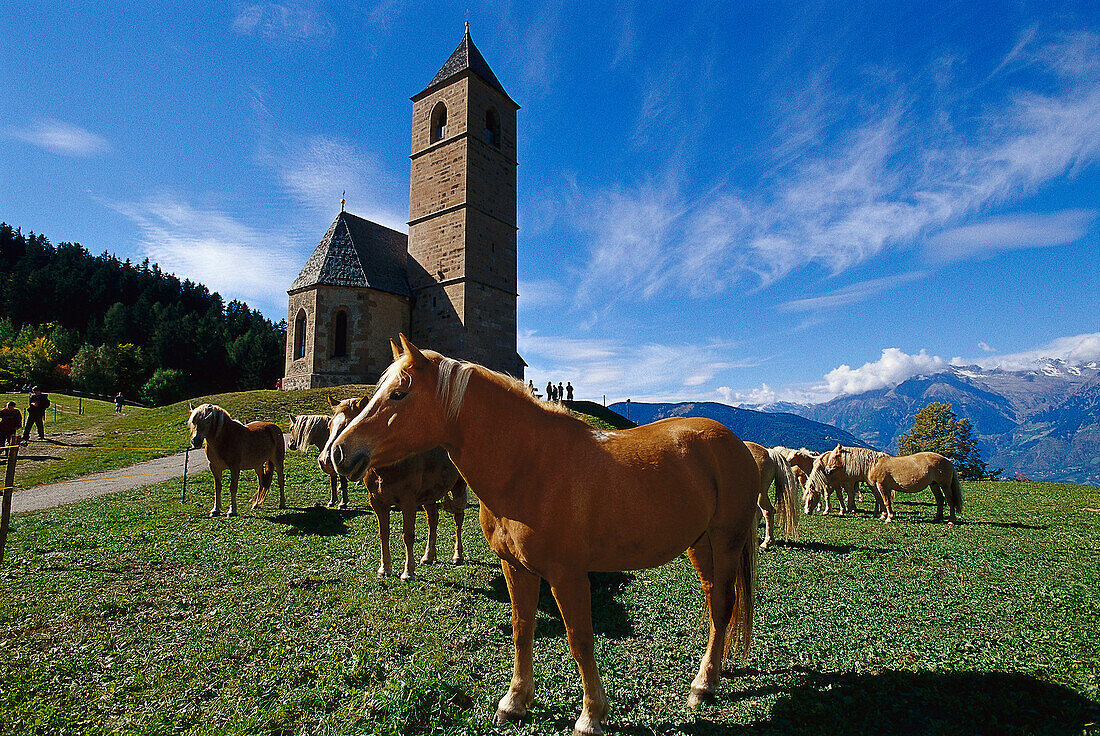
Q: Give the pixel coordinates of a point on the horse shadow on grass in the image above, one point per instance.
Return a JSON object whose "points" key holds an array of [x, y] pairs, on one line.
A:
{"points": [[317, 521], [838, 549], [901, 702]]}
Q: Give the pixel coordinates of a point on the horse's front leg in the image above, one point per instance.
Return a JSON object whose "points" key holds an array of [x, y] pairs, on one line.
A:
{"points": [[408, 536], [234, 477], [432, 512], [382, 511], [343, 492], [333, 500], [573, 593], [460, 514], [523, 589], [217, 510]]}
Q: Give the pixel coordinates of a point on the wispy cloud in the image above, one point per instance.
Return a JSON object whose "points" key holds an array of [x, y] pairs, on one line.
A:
{"points": [[851, 294], [1074, 349], [621, 369], [1013, 232], [213, 248], [292, 21], [904, 172], [61, 137], [540, 293], [318, 169]]}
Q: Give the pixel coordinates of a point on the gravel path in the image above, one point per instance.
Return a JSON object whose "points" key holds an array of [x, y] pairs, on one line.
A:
{"points": [[111, 481]]}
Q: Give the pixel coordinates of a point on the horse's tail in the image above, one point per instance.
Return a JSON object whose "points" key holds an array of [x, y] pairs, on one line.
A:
{"points": [[786, 490], [266, 475], [956, 497], [739, 630]]}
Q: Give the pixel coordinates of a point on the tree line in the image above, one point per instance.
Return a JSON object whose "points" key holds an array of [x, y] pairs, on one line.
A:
{"points": [[98, 324]]}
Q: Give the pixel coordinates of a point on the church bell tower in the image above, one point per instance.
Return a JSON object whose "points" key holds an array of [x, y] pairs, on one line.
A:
{"points": [[462, 214]]}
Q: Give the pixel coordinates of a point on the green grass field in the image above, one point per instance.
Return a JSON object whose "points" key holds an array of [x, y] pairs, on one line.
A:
{"points": [[135, 613]]}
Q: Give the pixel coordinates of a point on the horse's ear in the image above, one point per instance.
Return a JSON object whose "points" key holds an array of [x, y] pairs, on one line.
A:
{"points": [[361, 404], [417, 357], [190, 406], [332, 401], [396, 350]]}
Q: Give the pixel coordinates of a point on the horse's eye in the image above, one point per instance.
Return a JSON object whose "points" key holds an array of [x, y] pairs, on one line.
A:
{"points": [[398, 394]]}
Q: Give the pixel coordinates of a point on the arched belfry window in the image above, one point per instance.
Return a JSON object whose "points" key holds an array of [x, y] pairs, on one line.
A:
{"points": [[439, 122], [492, 127], [340, 345], [300, 335]]}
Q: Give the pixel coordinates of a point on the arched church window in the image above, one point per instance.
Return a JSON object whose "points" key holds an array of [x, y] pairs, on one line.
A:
{"points": [[492, 127], [439, 122], [300, 335], [340, 348]]}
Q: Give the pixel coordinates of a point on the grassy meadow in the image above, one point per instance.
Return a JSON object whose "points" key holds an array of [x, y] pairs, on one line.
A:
{"points": [[137, 614]]}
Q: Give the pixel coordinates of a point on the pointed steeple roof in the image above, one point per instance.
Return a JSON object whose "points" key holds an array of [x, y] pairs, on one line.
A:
{"points": [[466, 58], [357, 252]]}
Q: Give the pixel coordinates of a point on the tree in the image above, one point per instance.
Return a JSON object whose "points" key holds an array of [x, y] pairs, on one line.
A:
{"points": [[167, 385], [936, 428]]}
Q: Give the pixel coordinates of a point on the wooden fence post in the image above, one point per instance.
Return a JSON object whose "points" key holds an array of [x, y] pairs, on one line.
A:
{"points": [[5, 508]]}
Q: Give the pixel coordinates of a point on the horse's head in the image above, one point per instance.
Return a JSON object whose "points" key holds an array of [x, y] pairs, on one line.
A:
{"points": [[342, 414], [814, 487], [295, 434], [205, 422], [406, 415]]}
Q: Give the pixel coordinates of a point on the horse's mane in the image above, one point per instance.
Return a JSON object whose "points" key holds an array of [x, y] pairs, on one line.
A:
{"points": [[860, 459], [308, 422]]}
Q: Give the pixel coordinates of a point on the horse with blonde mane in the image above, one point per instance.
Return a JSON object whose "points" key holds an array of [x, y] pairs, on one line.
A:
{"points": [[622, 500], [841, 468], [313, 429], [773, 466], [427, 479], [233, 446], [913, 473]]}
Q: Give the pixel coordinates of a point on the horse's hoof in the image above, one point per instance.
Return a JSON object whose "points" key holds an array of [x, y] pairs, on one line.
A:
{"points": [[215, 512], [698, 696], [341, 505], [384, 573], [587, 726], [408, 576], [458, 561], [764, 546], [507, 716]]}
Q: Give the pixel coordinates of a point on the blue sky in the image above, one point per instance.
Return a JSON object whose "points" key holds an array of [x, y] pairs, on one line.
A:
{"points": [[735, 202]]}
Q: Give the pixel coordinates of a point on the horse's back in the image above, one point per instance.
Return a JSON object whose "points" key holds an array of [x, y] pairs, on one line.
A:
{"points": [[908, 470], [265, 440]]}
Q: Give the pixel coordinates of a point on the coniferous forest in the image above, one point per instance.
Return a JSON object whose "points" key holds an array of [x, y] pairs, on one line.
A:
{"points": [[71, 320]]}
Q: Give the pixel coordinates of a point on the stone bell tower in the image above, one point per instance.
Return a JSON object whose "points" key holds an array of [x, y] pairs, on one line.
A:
{"points": [[462, 215]]}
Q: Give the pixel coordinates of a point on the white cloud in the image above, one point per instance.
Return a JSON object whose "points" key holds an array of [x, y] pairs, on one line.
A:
{"points": [[851, 294], [1074, 349], [986, 347], [214, 249], [61, 137], [293, 21], [540, 293], [1014, 232], [891, 369], [620, 369]]}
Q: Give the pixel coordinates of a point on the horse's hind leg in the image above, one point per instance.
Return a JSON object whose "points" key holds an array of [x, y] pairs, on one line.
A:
{"points": [[343, 492], [938, 493], [460, 514], [573, 593], [523, 589], [716, 588], [765, 505], [431, 510], [217, 510]]}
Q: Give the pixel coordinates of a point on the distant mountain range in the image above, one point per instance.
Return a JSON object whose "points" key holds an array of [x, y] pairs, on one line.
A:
{"points": [[765, 428], [1043, 422]]}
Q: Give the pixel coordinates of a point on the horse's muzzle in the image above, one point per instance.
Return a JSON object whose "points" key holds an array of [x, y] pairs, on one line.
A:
{"points": [[352, 467]]}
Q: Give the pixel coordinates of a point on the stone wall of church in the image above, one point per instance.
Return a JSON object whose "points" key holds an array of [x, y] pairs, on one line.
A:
{"points": [[373, 318]]}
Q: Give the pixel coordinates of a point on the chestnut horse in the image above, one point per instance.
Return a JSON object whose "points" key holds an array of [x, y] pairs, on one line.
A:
{"points": [[313, 429], [842, 469], [233, 446], [560, 499], [428, 479], [774, 467], [913, 473]]}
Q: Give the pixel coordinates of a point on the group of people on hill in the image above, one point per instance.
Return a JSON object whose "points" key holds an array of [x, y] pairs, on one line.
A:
{"points": [[554, 393], [11, 419]]}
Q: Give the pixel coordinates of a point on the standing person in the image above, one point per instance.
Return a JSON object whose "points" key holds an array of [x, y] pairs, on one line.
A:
{"points": [[10, 421], [561, 390], [36, 412], [568, 391], [531, 387], [119, 401], [549, 391]]}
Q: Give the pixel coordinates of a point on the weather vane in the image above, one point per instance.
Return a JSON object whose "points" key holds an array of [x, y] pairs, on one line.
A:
{"points": [[342, 199]]}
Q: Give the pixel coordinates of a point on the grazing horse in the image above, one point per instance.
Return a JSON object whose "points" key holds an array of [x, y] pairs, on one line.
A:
{"points": [[560, 499], [773, 466], [427, 479], [841, 468], [802, 463], [913, 473], [313, 429], [233, 446]]}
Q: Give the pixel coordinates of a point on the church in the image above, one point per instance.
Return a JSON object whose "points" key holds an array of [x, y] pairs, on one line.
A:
{"points": [[450, 284]]}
